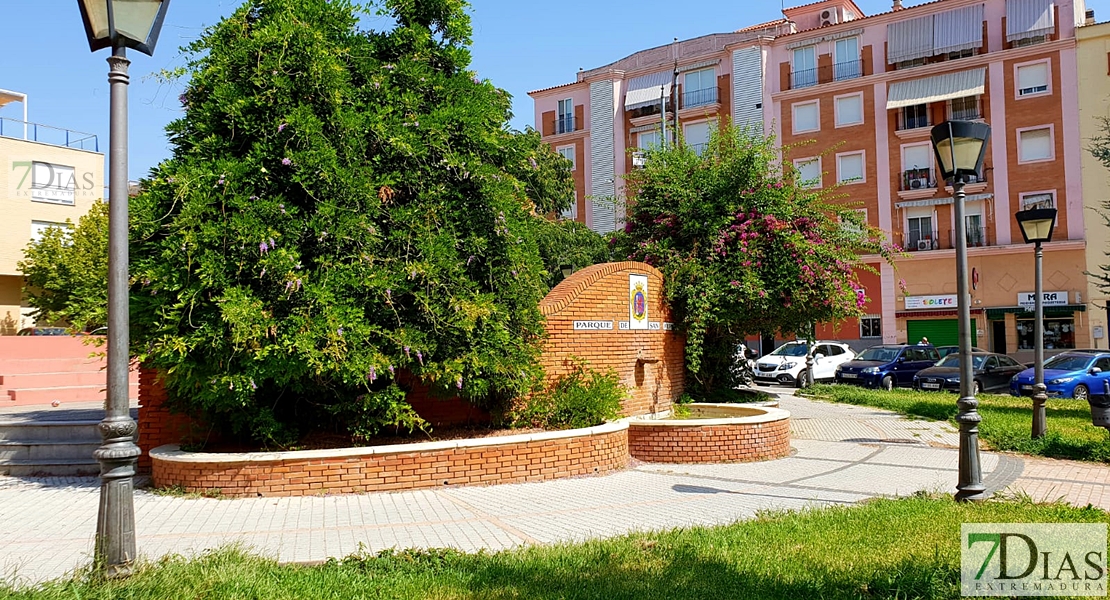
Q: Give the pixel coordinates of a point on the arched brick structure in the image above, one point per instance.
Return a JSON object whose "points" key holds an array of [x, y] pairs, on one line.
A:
{"points": [[649, 362]]}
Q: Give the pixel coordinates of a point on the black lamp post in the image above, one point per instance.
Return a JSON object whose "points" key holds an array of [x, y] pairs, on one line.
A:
{"points": [[118, 24], [1036, 227], [960, 148]]}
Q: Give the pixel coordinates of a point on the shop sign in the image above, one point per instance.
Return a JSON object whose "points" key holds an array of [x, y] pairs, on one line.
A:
{"points": [[1028, 300], [945, 301], [594, 325]]}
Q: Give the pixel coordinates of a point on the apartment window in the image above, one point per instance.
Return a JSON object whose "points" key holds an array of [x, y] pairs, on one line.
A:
{"points": [[699, 88], [965, 53], [913, 117], [964, 109], [805, 67], [38, 229], [809, 172], [649, 139], [567, 152], [849, 110], [849, 168], [1032, 79], [565, 116], [571, 212], [851, 226], [1029, 41], [974, 231], [807, 117], [920, 233], [1038, 200], [871, 326], [697, 136], [1035, 144], [909, 64], [847, 64], [52, 183]]}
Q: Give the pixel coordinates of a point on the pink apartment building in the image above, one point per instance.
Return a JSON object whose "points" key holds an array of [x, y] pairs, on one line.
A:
{"points": [[867, 89]]}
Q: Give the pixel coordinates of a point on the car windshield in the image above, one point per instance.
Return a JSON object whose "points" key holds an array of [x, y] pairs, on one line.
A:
{"points": [[879, 354], [792, 349], [953, 360], [1068, 362]]}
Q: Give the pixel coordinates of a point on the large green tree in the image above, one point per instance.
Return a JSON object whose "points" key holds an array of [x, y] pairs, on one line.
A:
{"points": [[341, 204], [65, 272], [745, 248]]}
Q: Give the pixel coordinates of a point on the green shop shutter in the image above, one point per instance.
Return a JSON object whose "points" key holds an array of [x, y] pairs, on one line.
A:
{"points": [[941, 332]]}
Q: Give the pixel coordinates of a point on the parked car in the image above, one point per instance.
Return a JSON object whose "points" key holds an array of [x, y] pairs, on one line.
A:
{"points": [[990, 371], [946, 350], [887, 366], [42, 331], [786, 363], [1071, 374]]}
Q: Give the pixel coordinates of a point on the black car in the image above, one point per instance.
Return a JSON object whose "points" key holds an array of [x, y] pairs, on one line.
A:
{"points": [[990, 372], [946, 350]]}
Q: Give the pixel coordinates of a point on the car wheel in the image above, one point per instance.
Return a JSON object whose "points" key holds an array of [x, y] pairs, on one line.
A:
{"points": [[887, 383], [1082, 392], [800, 381], [975, 388]]}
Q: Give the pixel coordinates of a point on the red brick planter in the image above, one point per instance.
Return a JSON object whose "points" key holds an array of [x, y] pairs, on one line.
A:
{"points": [[749, 434], [510, 459]]}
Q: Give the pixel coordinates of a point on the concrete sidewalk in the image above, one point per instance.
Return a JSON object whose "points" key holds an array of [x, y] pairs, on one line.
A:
{"points": [[843, 455]]}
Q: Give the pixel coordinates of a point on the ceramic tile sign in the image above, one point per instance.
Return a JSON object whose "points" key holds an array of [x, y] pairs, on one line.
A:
{"points": [[637, 302]]}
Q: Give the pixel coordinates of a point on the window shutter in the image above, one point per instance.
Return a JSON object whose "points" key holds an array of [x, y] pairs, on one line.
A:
{"points": [[548, 119], [1036, 144], [579, 117], [806, 117]]}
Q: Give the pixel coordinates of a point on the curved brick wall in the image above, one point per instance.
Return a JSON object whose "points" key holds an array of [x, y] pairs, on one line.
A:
{"points": [[738, 439], [649, 363], [510, 459]]}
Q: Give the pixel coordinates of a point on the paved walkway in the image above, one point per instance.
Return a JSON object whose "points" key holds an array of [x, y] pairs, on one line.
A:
{"points": [[844, 454]]}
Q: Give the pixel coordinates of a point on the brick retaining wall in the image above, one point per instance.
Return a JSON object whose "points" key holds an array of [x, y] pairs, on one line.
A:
{"points": [[717, 443], [510, 459]]}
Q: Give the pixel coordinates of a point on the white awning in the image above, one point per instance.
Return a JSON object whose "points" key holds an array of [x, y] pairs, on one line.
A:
{"points": [[1028, 18], [956, 30], [937, 88], [699, 65], [646, 90], [909, 39], [941, 201]]}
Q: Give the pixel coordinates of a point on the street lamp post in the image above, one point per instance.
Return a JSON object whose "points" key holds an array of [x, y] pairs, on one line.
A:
{"points": [[1036, 228], [118, 24], [960, 148]]}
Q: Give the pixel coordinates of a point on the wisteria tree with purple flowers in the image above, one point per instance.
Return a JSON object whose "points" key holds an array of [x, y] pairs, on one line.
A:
{"points": [[342, 205], [744, 247]]}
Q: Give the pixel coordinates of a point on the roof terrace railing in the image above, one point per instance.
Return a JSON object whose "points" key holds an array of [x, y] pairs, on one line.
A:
{"points": [[46, 134]]}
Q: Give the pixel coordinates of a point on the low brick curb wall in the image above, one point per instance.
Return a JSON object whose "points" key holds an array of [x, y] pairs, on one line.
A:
{"points": [[728, 439], [508, 459]]}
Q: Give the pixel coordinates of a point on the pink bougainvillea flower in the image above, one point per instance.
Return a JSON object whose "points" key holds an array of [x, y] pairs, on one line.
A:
{"points": [[286, 162]]}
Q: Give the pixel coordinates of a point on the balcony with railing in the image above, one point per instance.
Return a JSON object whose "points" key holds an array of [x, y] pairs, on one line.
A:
{"points": [[919, 241], [851, 69], [913, 117], [564, 124], [917, 179], [46, 134], [702, 97], [976, 237], [803, 78]]}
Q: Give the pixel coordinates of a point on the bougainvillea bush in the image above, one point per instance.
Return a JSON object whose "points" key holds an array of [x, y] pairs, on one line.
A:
{"points": [[341, 204], [743, 247]]}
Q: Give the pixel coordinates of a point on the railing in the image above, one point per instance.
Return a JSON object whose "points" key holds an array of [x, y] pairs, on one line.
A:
{"points": [[699, 97], [976, 237], [564, 124], [851, 69], [965, 113], [913, 120], [699, 148], [917, 241], [803, 79], [917, 179], [46, 134]]}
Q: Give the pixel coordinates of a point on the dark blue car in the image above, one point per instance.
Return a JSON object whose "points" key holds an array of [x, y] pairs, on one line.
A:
{"points": [[887, 366], [1071, 374]]}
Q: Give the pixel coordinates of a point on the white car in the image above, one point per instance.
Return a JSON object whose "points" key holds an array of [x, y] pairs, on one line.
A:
{"points": [[787, 362]]}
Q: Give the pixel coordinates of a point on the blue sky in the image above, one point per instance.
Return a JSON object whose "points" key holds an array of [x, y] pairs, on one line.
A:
{"points": [[520, 45]]}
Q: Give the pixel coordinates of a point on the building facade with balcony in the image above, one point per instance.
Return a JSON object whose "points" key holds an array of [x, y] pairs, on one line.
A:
{"points": [[868, 91], [600, 120], [48, 177]]}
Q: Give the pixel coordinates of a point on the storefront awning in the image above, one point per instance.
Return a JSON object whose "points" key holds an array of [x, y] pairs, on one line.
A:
{"points": [[937, 88], [941, 201], [646, 90], [998, 314]]}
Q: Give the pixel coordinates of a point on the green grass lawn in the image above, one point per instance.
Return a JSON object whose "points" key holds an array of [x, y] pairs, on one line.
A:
{"points": [[906, 548], [1007, 420]]}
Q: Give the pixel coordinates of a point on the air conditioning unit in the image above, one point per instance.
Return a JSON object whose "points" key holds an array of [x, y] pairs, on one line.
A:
{"points": [[830, 16], [924, 244], [638, 160], [919, 183]]}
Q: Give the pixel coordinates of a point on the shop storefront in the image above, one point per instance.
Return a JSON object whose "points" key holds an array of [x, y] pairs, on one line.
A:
{"points": [[935, 318], [1014, 327]]}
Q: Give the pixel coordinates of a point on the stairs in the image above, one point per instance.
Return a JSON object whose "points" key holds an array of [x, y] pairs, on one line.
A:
{"points": [[31, 381], [51, 442]]}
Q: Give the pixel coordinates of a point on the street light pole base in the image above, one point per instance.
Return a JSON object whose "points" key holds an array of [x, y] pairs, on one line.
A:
{"points": [[1040, 396], [970, 486]]}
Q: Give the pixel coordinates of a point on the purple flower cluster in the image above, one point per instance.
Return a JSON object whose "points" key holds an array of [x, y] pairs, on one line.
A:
{"points": [[286, 162]]}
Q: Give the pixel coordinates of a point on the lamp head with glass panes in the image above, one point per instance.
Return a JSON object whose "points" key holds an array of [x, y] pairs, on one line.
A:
{"points": [[1037, 224], [123, 23], [960, 147]]}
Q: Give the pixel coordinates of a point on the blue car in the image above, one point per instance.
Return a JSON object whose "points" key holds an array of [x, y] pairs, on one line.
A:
{"points": [[887, 366], [1069, 375]]}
